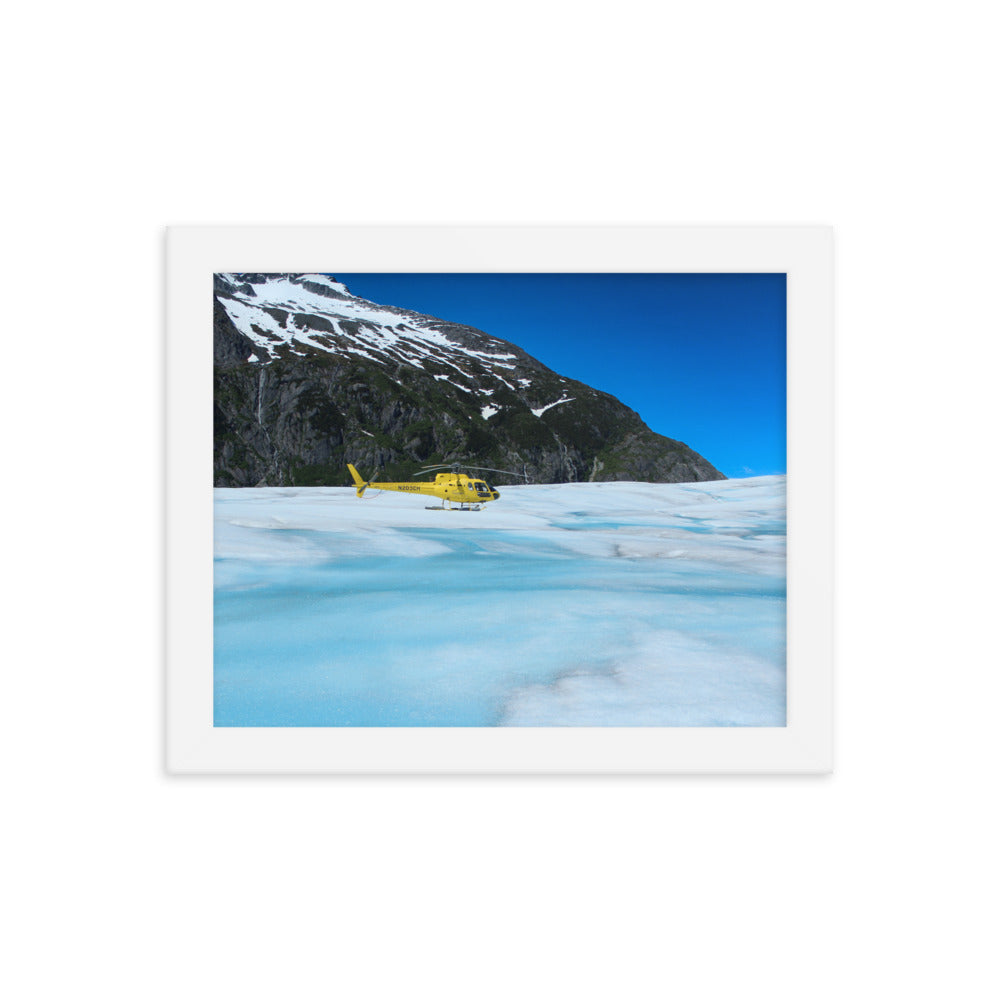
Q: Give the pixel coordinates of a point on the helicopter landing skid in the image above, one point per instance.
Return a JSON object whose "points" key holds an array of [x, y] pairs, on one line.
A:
{"points": [[476, 506]]}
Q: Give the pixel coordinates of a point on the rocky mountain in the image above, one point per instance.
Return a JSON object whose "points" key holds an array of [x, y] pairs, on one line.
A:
{"points": [[309, 377]]}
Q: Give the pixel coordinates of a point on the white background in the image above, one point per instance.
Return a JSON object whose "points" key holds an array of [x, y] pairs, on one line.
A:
{"points": [[875, 117]]}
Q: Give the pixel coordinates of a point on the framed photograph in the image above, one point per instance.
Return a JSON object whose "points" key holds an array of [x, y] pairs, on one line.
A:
{"points": [[499, 499]]}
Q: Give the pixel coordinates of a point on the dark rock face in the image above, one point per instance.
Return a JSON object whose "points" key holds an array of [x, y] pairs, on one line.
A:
{"points": [[301, 390]]}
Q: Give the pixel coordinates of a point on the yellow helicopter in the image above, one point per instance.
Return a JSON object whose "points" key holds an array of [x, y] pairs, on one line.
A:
{"points": [[450, 488]]}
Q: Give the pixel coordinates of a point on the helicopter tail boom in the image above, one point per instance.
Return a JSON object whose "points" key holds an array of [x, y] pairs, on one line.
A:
{"points": [[358, 481]]}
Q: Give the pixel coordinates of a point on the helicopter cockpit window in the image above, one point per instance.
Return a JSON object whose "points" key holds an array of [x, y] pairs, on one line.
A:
{"points": [[481, 487]]}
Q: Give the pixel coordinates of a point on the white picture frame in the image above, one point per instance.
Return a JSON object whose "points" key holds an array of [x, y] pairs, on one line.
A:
{"points": [[803, 745]]}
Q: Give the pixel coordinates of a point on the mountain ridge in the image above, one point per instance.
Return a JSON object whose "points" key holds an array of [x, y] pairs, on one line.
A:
{"points": [[309, 377]]}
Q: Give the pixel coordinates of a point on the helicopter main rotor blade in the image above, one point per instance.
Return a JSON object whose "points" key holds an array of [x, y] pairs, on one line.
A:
{"points": [[436, 468], [505, 472], [455, 466]]}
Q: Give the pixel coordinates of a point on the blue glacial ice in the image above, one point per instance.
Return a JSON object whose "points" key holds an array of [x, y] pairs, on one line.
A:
{"points": [[583, 604]]}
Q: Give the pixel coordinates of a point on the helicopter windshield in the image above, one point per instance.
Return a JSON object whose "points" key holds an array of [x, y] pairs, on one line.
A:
{"points": [[481, 487]]}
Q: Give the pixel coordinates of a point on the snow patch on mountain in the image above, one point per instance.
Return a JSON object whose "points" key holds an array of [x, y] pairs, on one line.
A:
{"points": [[282, 311], [542, 409]]}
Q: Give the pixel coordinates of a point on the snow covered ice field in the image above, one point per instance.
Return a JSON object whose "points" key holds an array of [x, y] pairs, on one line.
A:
{"points": [[583, 604]]}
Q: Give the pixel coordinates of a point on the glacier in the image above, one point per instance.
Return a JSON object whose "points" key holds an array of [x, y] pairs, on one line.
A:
{"points": [[577, 604]]}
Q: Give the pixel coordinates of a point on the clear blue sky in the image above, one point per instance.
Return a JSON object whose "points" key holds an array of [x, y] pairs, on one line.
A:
{"points": [[700, 357]]}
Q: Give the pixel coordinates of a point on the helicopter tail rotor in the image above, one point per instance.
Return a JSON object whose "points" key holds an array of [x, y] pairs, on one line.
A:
{"points": [[358, 481]]}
